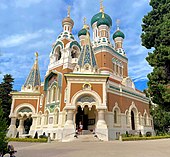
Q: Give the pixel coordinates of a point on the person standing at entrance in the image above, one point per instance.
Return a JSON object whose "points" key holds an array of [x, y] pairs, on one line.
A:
{"points": [[80, 128]]}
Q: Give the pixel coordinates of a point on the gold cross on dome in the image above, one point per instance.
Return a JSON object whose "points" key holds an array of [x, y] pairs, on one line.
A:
{"points": [[118, 23], [68, 11], [101, 6], [36, 54], [84, 20]]}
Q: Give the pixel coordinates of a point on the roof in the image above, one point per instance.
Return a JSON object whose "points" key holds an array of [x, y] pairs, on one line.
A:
{"points": [[33, 78]]}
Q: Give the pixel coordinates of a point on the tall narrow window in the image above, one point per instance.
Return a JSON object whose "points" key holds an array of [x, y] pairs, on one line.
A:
{"points": [[54, 93], [115, 117]]}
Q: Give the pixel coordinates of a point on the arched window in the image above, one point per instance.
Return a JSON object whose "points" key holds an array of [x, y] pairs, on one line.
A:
{"points": [[49, 96], [115, 117], [145, 119], [54, 93], [58, 53], [117, 68], [56, 116], [46, 118], [75, 52]]}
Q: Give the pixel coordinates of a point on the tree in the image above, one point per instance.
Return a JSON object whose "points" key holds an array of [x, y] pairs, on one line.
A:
{"points": [[156, 36], [161, 119], [5, 89], [3, 130]]}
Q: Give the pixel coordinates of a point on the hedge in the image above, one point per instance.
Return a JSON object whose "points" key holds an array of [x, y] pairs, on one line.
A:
{"points": [[135, 138], [27, 140]]}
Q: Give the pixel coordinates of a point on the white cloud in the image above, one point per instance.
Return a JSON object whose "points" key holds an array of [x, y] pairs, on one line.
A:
{"points": [[19, 39], [26, 3]]}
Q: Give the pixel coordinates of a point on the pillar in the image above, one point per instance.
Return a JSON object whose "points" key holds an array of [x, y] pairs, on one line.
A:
{"points": [[69, 128], [12, 128], [21, 126], [33, 126], [101, 123], [101, 129]]}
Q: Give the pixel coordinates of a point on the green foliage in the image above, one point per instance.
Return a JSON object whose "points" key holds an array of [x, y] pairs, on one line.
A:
{"points": [[156, 35], [5, 89], [136, 138], [161, 119], [27, 139], [3, 130]]}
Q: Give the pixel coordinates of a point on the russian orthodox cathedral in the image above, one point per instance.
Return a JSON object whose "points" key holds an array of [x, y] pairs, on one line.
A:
{"points": [[86, 82]]}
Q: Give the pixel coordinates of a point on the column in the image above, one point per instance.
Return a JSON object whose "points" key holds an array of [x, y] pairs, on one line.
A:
{"points": [[101, 123], [21, 126], [12, 128], [69, 129], [33, 126], [101, 129], [69, 120]]}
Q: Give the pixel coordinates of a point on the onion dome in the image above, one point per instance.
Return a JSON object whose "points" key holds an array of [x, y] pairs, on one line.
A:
{"points": [[98, 16], [82, 32], [103, 21], [118, 33], [67, 20]]}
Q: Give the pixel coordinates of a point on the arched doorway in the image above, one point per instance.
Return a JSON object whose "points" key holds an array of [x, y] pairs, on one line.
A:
{"points": [[27, 125], [132, 120], [87, 116]]}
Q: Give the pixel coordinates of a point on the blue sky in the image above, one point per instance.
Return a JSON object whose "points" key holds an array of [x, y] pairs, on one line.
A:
{"points": [[27, 26]]}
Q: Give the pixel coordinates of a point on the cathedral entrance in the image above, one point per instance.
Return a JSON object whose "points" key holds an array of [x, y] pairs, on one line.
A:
{"points": [[87, 117], [27, 125], [133, 120]]}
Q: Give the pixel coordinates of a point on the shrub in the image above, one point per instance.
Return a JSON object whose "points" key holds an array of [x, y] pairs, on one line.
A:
{"points": [[148, 134], [135, 138], [27, 140]]}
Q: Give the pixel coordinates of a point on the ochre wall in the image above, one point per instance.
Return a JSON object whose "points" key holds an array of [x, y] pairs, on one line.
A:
{"points": [[104, 61], [33, 102], [124, 103], [75, 87]]}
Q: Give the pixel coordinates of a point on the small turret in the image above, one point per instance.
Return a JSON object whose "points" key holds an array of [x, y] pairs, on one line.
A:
{"points": [[33, 81], [67, 22], [118, 38], [87, 61], [83, 32]]}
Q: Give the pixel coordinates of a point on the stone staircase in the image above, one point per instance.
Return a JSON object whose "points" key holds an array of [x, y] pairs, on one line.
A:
{"points": [[87, 136]]}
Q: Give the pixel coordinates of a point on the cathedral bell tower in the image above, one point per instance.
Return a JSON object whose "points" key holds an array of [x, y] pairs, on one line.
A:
{"points": [[65, 50]]}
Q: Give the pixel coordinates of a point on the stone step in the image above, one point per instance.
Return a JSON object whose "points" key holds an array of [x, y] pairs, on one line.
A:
{"points": [[87, 138]]}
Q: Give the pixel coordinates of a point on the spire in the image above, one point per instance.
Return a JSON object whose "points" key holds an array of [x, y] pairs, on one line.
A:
{"points": [[68, 11], [118, 24], [85, 26], [87, 61], [67, 22], [101, 6], [33, 78]]}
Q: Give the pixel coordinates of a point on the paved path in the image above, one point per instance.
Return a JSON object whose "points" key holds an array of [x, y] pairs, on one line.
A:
{"points": [[155, 148]]}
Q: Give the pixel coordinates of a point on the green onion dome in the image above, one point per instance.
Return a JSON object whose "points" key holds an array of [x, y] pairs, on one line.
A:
{"points": [[98, 16], [118, 33], [103, 21], [82, 32]]}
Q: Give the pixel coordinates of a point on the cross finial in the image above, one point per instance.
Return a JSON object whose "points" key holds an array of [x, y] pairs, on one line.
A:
{"points": [[118, 23], [84, 20], [36, 55], [68, 11], [101, 6]]}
